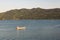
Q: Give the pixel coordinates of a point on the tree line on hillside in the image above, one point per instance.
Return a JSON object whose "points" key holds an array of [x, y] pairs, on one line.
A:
{"points": [[34, 13]]}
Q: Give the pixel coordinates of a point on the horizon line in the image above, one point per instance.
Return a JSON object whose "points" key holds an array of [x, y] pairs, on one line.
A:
{"points": [[26, 8]]}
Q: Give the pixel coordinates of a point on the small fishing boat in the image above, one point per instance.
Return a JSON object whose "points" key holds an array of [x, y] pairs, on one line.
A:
{"points": [[20, 28]]}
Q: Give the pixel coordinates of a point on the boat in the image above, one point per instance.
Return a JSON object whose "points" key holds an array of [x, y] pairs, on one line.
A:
{"points": [[20, 28]]}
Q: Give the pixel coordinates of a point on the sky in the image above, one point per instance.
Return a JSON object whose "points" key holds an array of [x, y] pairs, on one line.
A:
{"points": [[6, 5]]}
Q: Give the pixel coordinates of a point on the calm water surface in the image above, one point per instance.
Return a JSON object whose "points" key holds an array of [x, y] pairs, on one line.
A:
{"points": [[35, 30]]}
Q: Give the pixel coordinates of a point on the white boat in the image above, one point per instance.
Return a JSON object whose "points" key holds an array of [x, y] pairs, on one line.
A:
{"points": [[20, 28]]}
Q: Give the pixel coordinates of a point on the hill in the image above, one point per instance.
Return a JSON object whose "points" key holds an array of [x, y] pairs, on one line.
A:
{"points": [[34, 13]]}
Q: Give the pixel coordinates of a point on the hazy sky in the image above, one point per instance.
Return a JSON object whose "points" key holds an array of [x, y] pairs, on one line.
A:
{"points": [[18, 4]]}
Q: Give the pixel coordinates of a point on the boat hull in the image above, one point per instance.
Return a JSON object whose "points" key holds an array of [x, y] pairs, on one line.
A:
{"points": [[20, 28]]}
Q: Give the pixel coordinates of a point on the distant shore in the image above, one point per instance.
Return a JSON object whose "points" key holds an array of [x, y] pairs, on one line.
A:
{"points": [[31, 14]]}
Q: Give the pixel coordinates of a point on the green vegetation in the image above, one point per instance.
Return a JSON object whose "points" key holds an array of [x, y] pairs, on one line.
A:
{"points": [[34, 13]]}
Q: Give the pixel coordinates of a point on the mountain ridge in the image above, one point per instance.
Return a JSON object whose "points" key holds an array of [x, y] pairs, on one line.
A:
{"points": [[34, 13]]}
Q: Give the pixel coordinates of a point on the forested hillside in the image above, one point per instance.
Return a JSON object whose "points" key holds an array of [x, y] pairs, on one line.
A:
{"points": [[34, 13]]}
